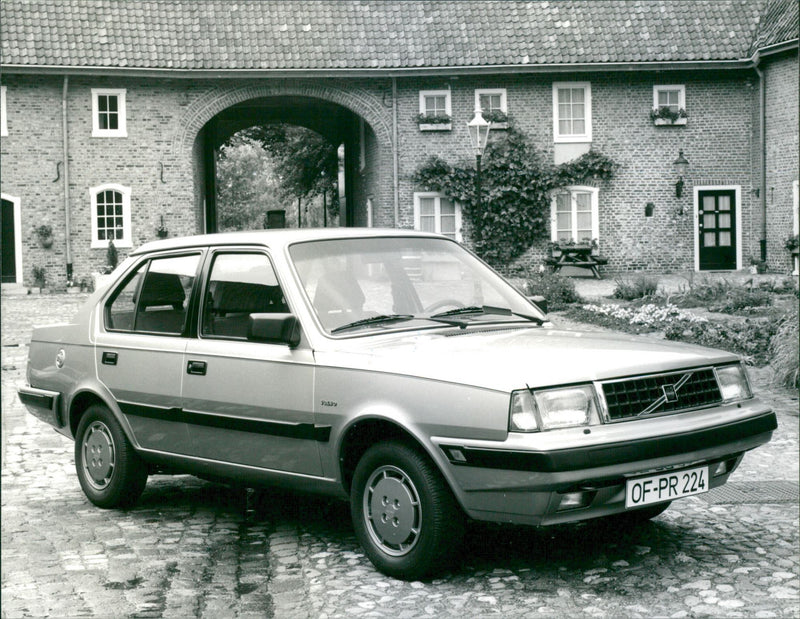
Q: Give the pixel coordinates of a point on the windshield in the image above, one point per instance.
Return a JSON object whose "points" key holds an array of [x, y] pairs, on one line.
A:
{"points": [[394, 282]]}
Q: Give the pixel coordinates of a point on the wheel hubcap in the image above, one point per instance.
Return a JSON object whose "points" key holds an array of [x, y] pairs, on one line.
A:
{"points": [[98, 455], [392, 510]]}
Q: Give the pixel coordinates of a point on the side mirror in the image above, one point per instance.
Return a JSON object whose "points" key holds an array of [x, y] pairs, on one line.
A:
{"points": [[539, 301], [274, 329]]}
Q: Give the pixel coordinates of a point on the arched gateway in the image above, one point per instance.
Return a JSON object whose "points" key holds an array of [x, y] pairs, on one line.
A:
{"points": [[356, 118]]}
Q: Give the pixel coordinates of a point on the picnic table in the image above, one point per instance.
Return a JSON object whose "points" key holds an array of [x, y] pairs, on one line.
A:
{"points": [[576, 256]]}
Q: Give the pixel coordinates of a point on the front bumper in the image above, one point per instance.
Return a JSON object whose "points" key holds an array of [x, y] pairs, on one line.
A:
{"points": [[43, 404], [526, 486]]}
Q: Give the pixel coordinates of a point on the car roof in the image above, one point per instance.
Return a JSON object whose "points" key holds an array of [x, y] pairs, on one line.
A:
{"points": [[276, 238]]}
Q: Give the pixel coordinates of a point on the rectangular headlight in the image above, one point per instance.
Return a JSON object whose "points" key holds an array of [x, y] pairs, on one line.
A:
{"points": [[733, 384], [552, 409]]}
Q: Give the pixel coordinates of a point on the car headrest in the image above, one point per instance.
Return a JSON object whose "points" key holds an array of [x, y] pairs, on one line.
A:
{"points": [[162, 289]]}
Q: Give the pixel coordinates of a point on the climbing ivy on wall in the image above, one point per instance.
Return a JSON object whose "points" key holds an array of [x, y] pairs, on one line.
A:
{"points": [[516, 184]]}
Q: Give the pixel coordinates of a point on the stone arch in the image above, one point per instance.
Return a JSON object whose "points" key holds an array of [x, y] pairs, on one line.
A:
{"points": [[219, 98]]}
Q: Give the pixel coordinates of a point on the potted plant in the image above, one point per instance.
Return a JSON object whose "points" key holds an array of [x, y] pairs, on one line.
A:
{"points": [[757, 266], [102, 277], [585, 243], [39, 277], [665, 115], [161, 230], [45, 235], [433, 122], [498, 118]]}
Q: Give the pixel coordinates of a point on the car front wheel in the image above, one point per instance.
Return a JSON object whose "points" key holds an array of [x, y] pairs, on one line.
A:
{"points": [[404, 515], [109, 470]]}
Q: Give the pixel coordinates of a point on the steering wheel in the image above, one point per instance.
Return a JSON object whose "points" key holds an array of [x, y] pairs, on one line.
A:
{"points": [[442, 303]]}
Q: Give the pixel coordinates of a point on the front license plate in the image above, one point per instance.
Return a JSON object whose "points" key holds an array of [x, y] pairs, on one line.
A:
{"points": [[658, 488]]}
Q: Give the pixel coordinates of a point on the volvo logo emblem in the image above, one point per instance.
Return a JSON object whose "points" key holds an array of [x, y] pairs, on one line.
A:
{"points": [[670, 393]]}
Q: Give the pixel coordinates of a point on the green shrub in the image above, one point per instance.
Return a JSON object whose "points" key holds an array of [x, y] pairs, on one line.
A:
{"points": [[557, 289], [640, 287], [785, 352], [749, 338], [702, 294], [740, 299]]}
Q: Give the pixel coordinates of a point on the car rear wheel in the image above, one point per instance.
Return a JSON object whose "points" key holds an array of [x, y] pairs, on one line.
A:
{"points": [[404, 514], [109, 470]]}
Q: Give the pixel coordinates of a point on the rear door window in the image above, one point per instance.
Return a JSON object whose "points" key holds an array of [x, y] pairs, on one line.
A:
{"points": [[155, 298]]}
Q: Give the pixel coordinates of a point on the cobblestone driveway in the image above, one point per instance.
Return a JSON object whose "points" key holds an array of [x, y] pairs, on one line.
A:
{"points": [[195, 549]]}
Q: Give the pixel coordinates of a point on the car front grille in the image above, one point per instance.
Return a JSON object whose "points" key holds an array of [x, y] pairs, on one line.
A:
{"points": [[661, 393]]}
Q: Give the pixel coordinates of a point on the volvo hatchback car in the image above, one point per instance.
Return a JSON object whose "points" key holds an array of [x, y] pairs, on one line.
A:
{"points": [[390, 368]]}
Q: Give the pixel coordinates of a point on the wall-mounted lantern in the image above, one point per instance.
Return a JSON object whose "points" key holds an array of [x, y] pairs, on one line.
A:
{"points": [[682, 165]]}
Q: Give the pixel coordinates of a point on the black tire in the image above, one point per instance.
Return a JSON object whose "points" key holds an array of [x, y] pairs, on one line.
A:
{"points": [[404, 515], [116, 475]]}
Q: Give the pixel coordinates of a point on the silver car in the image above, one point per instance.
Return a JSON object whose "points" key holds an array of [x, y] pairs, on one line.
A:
{"points": [[389, 368]]}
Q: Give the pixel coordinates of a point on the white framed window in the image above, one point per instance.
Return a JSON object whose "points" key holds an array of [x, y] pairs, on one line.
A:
{"points": [[434, 212], [574, 214], [572, 111], [109, 113], [111, 215], [3, 118], [435, 103], [491, 100], [672, 97]]}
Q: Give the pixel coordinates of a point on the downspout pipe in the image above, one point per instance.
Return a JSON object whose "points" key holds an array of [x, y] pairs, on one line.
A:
{"points": [[395, 160], [65, 154], [762, 122]]}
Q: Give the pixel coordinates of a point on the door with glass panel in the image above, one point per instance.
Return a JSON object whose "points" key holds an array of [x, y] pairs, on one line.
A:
{"points": [[717, 230], [573, 217]]}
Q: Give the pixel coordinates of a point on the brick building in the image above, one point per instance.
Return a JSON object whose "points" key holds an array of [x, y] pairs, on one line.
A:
{"points": [[112, 113]]}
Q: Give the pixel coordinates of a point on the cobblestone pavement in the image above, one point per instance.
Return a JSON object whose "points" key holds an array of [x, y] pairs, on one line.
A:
{"points": [[196, 549]]}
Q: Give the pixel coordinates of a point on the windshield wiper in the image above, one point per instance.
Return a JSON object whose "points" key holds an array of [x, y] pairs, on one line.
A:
{"points": [[373, 320], [485, 309]]}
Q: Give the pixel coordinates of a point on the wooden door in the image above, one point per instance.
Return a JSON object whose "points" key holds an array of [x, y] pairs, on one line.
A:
{"points": [[8, 244], [717, 230]]}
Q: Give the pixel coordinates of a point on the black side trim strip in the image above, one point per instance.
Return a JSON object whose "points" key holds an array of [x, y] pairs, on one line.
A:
{"points": [[305, 431], [618, 453]]}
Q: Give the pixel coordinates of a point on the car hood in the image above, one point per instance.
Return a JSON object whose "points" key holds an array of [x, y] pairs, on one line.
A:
{"points": [[508, 359]]}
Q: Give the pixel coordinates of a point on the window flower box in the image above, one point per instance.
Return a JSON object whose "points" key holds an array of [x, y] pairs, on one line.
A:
{"points": [[433, 122], [667, 116], [498, 118]]}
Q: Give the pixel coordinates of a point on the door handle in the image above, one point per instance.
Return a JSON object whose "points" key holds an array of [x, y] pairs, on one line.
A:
{"points": [[109, 358], [196, 367]]}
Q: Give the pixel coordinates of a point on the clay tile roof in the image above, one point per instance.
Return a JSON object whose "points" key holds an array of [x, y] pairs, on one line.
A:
{"points": [[779, 23], [383, 34]]}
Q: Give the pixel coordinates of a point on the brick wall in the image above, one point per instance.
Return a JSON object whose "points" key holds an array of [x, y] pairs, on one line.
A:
{"points": [[781, 80], [717, 140], [30, 154], [161, 159]]}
